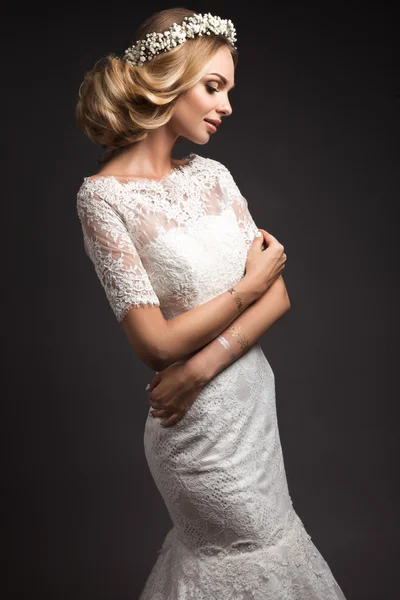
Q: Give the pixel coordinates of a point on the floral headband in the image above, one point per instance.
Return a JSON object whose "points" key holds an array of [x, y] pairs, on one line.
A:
{"points": [[197, 24]]}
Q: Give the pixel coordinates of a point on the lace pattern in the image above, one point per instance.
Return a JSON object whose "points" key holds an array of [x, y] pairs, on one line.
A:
{"points": [[152, 242], [177, 243], [221, 474]]}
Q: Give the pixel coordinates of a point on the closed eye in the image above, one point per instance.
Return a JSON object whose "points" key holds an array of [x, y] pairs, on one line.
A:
{"points": [[211, 88]]}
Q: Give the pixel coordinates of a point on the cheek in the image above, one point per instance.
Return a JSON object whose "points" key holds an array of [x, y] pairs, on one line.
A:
{"points": [[193, 107], [200, 101]]}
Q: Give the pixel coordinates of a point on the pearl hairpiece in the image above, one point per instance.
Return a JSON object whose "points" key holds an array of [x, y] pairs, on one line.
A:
{"points": [[197, 24]]}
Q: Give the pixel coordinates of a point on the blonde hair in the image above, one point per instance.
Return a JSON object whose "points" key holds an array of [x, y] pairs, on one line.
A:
{"points": [[119, 103]]}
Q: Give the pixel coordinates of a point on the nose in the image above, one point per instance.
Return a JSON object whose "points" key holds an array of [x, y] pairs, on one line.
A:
{"points": [[225, 108]]}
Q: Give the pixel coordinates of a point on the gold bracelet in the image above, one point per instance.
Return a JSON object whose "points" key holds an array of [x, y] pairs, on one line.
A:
{"points": [[236, 296]]}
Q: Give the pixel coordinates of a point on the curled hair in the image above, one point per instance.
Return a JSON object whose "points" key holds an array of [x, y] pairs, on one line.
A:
{"points": [[119, 103]]}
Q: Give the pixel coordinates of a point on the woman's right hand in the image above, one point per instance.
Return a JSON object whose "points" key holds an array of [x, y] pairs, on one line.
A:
{"points": [[265, 266]]}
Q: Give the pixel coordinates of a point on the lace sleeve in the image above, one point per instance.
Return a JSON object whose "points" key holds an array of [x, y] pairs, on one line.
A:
{"points": [[117, 263], [239, 205]]}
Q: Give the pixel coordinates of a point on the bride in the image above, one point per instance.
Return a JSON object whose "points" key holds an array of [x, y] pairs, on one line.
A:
{"points": [[194, 284]]}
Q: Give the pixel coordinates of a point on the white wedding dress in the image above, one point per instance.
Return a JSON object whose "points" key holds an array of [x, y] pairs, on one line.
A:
{"points": [[176, 243]]}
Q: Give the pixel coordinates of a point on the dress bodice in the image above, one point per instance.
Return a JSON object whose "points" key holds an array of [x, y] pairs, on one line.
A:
{"points": [[175, 243]]}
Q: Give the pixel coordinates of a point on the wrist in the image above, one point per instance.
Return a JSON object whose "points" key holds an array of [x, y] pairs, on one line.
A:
{"points": [[251, 287], [199, 370]]}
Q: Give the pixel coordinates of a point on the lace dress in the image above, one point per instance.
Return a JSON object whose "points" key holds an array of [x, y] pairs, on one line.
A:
{"points": [[176, 243]]}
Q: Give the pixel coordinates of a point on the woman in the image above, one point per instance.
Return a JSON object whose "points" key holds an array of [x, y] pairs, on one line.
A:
{"points": [[194, 285]]}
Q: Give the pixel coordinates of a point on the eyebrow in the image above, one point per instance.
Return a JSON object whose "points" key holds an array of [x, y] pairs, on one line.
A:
{"points": [[224, 79]]}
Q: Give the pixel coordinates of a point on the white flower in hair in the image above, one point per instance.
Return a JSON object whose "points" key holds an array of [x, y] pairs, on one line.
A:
{"points": [[197, 24]]}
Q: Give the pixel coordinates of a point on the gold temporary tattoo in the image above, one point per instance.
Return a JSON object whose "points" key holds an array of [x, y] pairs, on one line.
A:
{"points": [[237, 332], [236, 296]]}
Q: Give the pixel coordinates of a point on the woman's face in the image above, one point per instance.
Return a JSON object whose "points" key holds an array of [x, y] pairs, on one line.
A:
{"points": [[207, 99]]}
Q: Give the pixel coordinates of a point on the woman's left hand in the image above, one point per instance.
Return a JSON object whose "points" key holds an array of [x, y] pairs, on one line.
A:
{"points": [[172, 392]]}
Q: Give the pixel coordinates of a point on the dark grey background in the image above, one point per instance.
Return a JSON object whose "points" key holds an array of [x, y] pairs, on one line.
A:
{"points": [[313, 143]]}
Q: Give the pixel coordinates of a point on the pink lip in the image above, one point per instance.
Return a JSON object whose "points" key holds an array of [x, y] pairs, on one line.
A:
{"points": [[212, 127]]}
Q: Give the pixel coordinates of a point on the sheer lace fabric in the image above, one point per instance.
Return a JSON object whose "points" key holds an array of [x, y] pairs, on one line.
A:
{"points": [[135, 231], [177, 243]]}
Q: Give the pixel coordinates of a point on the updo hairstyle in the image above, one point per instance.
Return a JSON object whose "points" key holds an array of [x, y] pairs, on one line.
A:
{"points": [[120, 103]]}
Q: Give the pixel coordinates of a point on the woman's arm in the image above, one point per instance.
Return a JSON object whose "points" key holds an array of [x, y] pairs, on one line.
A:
{"points": [[118, 265], [178, 338], [178, 385], [243, 333]]}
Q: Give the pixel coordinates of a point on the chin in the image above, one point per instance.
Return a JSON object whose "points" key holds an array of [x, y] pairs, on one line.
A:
{"points": [[200, 139], [197, 137], [202, 142]]}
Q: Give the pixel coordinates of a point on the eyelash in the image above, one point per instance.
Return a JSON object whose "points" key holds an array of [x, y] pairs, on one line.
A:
{"points": [[210, 87]]}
